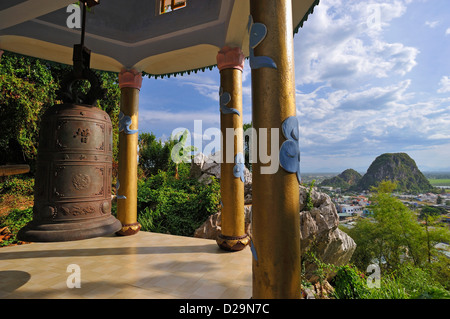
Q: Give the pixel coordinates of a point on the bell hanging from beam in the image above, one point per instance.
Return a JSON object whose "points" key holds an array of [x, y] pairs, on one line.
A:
{"points": [[72, 196]]}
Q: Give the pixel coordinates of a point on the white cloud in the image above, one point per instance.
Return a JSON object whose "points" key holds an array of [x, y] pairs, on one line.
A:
{"points": [[432, 24], [372, 120], [177, 118], [341, 48], [355, 97], [316, 105], [444, 85], [447, 32]]}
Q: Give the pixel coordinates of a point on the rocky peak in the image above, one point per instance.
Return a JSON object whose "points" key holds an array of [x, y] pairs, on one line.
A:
{"points": [[345, 180], [396, 167]]}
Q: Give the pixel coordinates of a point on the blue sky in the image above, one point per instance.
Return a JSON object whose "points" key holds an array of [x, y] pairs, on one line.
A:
{"points": [[371, 77]]}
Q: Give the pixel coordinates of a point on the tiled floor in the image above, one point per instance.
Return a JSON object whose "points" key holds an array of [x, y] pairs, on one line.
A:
{"points": [[146, 265]]}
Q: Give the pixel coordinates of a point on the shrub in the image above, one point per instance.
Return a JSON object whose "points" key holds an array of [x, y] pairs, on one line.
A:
{"points": [[17, 186], [390, 288], [176, 206], [15, 220], [349, 283], [407, 282], [420, 284]]}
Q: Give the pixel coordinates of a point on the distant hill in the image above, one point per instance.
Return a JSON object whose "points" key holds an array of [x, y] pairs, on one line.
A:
{"points": [[399, 167], [345, 180]]}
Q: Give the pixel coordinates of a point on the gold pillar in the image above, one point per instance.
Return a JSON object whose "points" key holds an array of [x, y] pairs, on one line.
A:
{"points": [[230, 62], [275, 215], [130, 82]]}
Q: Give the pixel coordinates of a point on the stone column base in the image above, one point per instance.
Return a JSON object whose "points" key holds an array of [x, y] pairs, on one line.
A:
{"points": [[233, 243]]}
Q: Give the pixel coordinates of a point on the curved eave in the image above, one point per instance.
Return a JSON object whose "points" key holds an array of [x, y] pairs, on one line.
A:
{"points": [[297, 26], [178, 59], [306, 16]]}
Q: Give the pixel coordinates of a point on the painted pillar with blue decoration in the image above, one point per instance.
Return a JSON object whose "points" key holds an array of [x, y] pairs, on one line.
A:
{"points": [[275, 214], [233, 237], [130, 82]]}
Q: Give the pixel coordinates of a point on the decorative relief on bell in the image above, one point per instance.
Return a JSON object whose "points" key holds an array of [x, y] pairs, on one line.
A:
{"points": [[81, 181], [83, 134]]}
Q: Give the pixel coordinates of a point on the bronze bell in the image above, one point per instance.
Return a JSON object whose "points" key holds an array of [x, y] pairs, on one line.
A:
{"points": [[72, 194], [73, 176]]}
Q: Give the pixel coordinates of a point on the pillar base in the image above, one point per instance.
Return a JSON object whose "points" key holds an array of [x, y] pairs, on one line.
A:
{"points": [[233, 243], [129, 229]]}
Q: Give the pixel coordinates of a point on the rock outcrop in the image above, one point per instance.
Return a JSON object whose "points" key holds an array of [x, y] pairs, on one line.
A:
{"points": [[204, 167], [319, 233], [344, 181], [319, 230], [396, 167]]}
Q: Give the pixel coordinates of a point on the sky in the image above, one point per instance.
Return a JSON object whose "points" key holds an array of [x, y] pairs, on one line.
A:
{"points": [[372, 77]]}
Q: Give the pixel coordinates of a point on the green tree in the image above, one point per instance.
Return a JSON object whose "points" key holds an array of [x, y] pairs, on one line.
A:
{"points": [[154, 154], [176, 206], [392, 234], [435, 233], [180, 152], [27, 89], [29, 86]]}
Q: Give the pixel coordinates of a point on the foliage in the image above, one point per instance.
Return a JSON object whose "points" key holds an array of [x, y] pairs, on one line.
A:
{"points": [[176, 206], [349, 283], [391, 235], [419, 283], [390, 288], [110, 103], [430, 211], [322, 270], [395, 240], [345, 180], [180, 152], [309, 202], [407, 282], [154, 155], [439, 269], [28, 87], [17, 186], [15, 220], [368, 248]]}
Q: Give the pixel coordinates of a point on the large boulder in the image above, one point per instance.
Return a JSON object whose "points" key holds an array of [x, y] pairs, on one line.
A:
{"points": [[211, 228], [319, 232], [204, 167]]}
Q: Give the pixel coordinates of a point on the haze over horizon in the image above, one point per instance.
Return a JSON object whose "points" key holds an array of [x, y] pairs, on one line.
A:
{"points": [[371, 78]]}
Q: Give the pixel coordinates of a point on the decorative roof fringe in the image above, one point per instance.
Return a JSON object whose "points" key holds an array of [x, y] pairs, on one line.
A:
{"points": [[296, 30], [203, 69]]}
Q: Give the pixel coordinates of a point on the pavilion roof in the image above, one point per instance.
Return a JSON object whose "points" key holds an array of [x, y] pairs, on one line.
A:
{"points": [[133, 34]]}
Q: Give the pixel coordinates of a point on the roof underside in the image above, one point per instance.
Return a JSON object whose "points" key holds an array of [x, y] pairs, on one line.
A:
{"points": [[131, 34]]}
